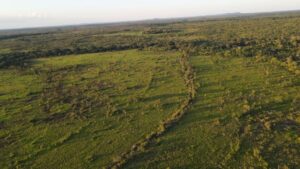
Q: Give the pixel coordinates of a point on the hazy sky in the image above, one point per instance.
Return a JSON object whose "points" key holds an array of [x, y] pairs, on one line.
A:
{"points": [[32, 13]]}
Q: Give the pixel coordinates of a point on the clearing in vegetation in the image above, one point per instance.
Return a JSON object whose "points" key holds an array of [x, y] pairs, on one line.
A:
{"points": [[90, 107], [246, 114]]}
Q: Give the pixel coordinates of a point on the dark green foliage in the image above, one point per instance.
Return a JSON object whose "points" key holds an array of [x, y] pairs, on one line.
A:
{"points": [[239, 37]]}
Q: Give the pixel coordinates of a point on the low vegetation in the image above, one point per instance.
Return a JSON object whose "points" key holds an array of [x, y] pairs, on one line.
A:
{"points": [[242, 116], [215, 93]]}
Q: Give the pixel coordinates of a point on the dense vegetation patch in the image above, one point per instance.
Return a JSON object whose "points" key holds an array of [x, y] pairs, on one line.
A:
{"points": [[277, 37]]}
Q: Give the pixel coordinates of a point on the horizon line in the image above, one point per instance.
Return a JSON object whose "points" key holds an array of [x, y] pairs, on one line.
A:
{"points": [[149, 19]]}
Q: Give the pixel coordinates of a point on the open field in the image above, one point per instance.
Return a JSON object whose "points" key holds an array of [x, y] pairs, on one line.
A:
{"points": [[215, 93], [245, 113], [88, 107]]}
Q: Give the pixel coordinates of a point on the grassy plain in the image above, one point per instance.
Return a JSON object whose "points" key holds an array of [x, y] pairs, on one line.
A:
{"points": [[246, 115], [81, 111], [208, 93]]}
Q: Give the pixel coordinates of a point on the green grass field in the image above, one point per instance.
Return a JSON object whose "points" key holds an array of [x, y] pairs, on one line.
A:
{"points": [[82, 111], [246, 115], [189, 93]]}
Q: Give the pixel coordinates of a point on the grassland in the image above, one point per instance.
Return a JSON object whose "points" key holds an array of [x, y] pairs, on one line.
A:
{"points": [[89, 107], [246, 115], [220, 93]]}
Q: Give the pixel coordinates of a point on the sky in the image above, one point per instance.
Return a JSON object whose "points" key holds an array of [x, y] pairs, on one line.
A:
{"points": [[37, 13]]}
